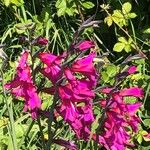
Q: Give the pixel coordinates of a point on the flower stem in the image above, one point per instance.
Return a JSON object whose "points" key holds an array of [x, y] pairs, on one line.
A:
{"points": [[10, 113], [50, 121], [41, 132]]}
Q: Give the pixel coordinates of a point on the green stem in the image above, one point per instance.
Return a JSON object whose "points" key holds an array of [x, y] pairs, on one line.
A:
{"points": [[34, 7], [24, 13], [146, 95], [10, 113], [50, 121], [26, 134], [41, 132], [34, 75], [77, 3]]}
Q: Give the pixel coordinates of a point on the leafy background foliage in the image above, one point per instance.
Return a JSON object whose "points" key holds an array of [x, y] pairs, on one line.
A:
{"points": [[125, 31]]}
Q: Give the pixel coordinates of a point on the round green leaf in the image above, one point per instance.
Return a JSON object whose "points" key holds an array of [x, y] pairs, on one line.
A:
{"points": [[118, 47], [122, 40], [147, 122], [88, 5], [127, 48], [126, 8]]}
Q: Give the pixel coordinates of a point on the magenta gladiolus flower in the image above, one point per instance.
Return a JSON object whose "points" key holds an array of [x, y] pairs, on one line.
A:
{"points": [[53, 70], [134, 91], [130, 70], [22, 86], [84, 45], [76, 90], [79, 118], [76, 108], [120, 116], [86, 67]]}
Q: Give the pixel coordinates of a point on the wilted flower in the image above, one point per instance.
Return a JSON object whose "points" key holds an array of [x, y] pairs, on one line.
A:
{"points": [[130, 70], [42, 41]]}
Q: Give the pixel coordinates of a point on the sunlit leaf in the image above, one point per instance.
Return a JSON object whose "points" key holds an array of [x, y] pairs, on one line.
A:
{"points": [[88, 5], [118, 47], [127, 48], [147, 31], [132, 15], [146, 122], [122, 40], [7, 2], [108, 20], [126, 8]]}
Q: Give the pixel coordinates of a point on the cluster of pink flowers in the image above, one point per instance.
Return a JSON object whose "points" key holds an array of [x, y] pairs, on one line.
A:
{"points": [[23, 86], [76, 94], [75, 85], [121, 119]]}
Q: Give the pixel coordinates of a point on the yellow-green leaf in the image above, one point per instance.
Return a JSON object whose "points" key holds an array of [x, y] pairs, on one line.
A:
{"points": [[17, 2], [126, 8], [118, 47], [127, 48], [61, 5], [88, 5], [118, 17], [146, 122], [117, 14], [122, 40], [7, 2], [147, 31], [130, 40], [132, 15], [108, 20]]}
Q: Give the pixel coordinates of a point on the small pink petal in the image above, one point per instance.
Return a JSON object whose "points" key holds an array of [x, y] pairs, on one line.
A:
{"points": [[133, 91], [132, 69]]}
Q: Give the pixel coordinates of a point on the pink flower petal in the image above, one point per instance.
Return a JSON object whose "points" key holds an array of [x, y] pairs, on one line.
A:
{"points": [[133, 91]]}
